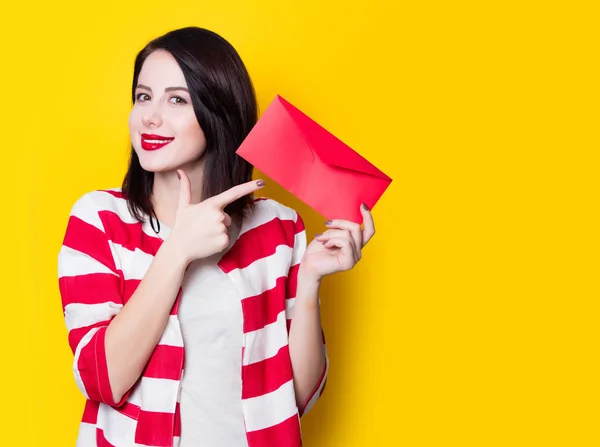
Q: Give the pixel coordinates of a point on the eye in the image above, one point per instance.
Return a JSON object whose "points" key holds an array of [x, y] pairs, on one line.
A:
{"points": [[142, 97], [177, 100]]}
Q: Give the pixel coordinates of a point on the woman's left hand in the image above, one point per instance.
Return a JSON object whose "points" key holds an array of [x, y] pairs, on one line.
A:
{"points": [[337, 249]]}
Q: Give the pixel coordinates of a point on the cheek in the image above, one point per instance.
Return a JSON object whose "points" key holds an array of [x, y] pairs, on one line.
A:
{"points": [[133, 119], [189, 128], [135, 124]]}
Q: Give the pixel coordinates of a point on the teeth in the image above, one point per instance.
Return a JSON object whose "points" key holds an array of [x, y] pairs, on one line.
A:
{"points": [[157, 141]]}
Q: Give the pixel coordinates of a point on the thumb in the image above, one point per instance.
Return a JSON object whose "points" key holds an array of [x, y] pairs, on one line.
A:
{"points": [[185, 190]]}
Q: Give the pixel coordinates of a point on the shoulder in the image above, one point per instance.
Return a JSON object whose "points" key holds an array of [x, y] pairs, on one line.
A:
{"points": [[99, 199], [268, 209], [270, 216], [91, 205]]}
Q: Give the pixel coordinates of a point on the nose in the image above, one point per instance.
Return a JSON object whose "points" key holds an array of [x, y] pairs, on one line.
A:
{"points": [[152, 117]]}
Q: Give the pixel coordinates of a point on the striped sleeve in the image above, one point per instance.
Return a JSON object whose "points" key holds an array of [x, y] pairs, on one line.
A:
{"points": [[90, 288], [297, 254]]}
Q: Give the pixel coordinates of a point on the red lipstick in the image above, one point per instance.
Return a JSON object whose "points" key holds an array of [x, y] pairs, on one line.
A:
{"points": [[152, 142]]}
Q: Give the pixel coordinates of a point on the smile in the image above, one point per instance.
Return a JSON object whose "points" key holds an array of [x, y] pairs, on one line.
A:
{"points": [[154, 142]]}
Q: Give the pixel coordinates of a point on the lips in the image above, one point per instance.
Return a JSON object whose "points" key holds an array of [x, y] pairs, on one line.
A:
{"points": [[152, 142]]}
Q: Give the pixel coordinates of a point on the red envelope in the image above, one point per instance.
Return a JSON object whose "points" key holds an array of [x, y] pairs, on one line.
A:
{"points": [[312, 164]]}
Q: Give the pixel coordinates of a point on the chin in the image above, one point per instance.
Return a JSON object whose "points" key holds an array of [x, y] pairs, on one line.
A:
{"points": [[157, 167], [158, 170], [151, 164], [154, 164]]}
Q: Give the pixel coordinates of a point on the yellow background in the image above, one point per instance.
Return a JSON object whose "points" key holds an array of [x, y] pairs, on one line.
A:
{"points": [[472, 319]]}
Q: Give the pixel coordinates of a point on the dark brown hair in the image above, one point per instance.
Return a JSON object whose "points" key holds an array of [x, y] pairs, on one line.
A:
{"points": [[225, 105]]}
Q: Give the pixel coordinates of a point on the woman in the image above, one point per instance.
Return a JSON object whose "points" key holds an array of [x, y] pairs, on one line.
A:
{"points": [[179, 288]]}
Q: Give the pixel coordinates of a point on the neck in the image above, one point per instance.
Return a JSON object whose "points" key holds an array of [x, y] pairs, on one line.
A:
{"points": [[166, 189]]}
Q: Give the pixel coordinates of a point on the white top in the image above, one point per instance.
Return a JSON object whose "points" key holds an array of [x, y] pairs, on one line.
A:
{"points": [[210, 316]]}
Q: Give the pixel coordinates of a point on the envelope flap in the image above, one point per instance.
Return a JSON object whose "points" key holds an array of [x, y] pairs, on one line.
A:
{"points": [[330, 149]]}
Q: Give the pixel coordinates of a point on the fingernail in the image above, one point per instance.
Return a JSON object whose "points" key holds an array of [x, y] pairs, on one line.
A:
{"points": [[318, 234], [329, 222], [260, 183], [178, 175], [364, 205]]}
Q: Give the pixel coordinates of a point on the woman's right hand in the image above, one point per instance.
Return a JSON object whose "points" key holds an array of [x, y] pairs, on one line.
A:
{"points": [[200, 229]]}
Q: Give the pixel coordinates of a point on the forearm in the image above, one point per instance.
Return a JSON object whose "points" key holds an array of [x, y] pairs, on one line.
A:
{"points": [[135, 331], [307, 350]]}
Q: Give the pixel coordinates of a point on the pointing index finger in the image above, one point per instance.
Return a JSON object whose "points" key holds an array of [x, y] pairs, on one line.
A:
{"points": [[237, 192]]}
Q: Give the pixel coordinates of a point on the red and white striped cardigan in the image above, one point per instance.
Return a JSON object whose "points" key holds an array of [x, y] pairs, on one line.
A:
{"points": [[104, 256]]}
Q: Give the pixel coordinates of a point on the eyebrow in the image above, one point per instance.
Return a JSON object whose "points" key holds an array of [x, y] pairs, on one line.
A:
{"points": [[168, 89]]}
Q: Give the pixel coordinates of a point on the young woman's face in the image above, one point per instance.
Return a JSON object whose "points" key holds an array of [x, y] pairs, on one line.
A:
{"points": [[162, 124]]}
